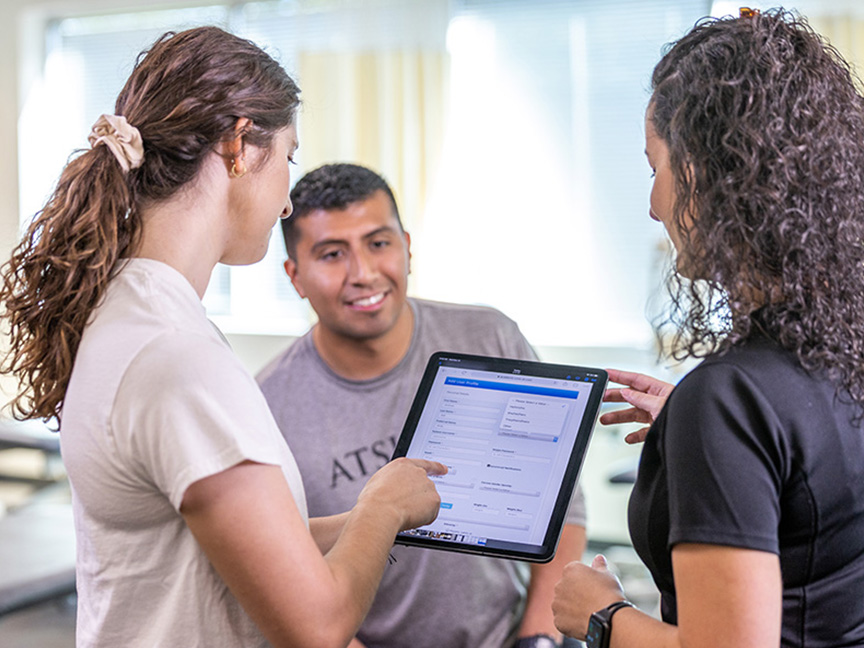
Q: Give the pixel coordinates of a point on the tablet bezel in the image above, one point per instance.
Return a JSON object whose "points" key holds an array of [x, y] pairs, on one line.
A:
{"points": [[545, 552]]}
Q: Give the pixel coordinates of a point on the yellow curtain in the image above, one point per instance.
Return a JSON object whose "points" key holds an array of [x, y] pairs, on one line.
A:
{"points": [[846, 33], [382, 109]]}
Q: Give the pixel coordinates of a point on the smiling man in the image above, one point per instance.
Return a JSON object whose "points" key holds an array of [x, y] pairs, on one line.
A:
{"points": [[341, 393]]}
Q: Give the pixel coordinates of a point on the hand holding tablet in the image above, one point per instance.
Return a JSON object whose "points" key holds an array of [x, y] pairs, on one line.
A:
{"points": [[513, 435]]}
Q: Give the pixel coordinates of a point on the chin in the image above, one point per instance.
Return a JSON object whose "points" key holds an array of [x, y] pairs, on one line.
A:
{"points": [[244, 258], [362, 334]]}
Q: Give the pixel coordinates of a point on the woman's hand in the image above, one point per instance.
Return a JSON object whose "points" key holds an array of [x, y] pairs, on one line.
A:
{"points": [[582, 591], [404, 486], [645, 394]]}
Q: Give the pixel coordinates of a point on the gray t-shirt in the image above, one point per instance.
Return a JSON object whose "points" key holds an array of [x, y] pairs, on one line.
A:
{"points": [[341, 431]]}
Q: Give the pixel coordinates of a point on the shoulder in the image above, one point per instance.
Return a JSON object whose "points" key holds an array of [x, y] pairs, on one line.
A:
{"points": [[183, 380], [449, 309], [733, 374], [176, 361], [468, 329], [754, 392], [448, 314], [300, 352], [753, 368]]}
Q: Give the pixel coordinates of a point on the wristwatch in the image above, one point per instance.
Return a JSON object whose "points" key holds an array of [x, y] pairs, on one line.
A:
{"points": [[537, 641], [600, 625]]}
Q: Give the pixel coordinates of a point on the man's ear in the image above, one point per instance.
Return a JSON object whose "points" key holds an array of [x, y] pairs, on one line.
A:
{"points": [[290, 266], [408, 248]]}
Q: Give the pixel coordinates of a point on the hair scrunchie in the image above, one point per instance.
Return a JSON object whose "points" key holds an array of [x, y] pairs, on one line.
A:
{"points": [[121, 138]]}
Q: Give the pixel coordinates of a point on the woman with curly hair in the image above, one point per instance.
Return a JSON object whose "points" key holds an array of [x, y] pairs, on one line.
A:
{"points": [[748, 507], [189, 509]]}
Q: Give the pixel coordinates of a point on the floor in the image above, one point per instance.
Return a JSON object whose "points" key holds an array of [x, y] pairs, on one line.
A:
{"points": [[52, 624]]}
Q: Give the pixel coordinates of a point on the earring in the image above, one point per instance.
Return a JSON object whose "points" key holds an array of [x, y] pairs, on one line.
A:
{"points": [[234, 173]]}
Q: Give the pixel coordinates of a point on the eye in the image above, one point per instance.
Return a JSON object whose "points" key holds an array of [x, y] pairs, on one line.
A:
{"points": [[330, 255], [381, 243]]}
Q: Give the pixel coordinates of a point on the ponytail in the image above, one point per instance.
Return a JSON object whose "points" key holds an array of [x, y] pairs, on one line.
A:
{"points": [[58, 274]]}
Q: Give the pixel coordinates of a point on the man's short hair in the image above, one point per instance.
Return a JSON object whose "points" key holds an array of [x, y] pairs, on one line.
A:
{"points": [[332, 186]]}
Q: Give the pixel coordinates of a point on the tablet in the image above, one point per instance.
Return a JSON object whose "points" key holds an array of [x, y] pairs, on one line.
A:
{"points": [[513, 434]]}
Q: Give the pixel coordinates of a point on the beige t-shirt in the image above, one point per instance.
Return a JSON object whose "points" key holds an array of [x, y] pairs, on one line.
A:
{"points": [[157, 400]]}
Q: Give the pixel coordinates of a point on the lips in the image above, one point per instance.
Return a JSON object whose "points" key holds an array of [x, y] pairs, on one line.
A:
{"points": [[367, 302]]}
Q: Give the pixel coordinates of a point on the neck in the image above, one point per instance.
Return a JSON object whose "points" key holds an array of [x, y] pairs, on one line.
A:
{"points": [[185, 231], [368, 358]]}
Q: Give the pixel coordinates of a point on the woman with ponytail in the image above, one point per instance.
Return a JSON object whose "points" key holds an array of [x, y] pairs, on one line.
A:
{"points": [[189, 511]]}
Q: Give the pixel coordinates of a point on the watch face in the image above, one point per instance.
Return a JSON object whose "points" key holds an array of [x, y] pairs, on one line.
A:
{"points": [[597, 636]]}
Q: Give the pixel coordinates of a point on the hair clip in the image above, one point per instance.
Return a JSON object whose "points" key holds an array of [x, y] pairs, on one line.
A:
{"points": [[747, 12]]}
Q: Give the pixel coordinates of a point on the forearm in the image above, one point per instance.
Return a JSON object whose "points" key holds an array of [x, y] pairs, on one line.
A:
{"points": [[326, 530], [538, 617], [358, 557], [726, 596], [632, 628], [247, 522]]}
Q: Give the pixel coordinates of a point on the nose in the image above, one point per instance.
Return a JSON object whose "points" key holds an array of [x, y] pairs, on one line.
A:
{"points": [[361, 268]]}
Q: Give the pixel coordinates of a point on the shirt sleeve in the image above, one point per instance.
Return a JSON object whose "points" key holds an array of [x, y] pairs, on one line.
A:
{"points": [[514, 344], [187, 409], [725, 461]]}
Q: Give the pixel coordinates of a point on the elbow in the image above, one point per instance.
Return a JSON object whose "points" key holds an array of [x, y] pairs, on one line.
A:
{"points": [[332, 633]]}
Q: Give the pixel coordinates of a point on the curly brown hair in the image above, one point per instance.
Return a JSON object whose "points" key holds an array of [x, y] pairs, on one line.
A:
{"points": [[185, 96], [765, 129]]}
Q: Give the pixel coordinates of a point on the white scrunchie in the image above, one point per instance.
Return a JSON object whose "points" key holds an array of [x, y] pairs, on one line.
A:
{"points": [[123, 139]]}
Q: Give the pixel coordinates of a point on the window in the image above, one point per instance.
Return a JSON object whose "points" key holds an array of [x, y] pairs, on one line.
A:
{"points": [[511, 130], [542, 199]]}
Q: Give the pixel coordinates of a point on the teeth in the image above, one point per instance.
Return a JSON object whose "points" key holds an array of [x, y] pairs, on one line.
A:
{"points": [[369, 301]]}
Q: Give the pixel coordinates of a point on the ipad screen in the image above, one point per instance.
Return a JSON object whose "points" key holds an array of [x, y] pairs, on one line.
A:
{"points": [[513, 435]]}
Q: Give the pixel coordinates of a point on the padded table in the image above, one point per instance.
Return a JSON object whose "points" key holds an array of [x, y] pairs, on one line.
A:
{"points": [[37, 555]]}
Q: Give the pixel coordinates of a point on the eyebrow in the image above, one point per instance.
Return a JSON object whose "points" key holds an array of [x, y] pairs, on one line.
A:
{"points": [[384, 229]]}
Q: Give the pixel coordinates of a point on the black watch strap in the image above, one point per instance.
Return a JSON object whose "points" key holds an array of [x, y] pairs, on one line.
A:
{"points": [[612, 608], [600, 625]]}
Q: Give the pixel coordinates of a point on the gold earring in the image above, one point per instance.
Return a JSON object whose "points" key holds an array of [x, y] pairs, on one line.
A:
{"points": [[234, 173]]}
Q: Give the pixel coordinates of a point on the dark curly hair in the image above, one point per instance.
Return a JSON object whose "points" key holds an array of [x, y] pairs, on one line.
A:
{"points": [[184, 97], [765, 130], [332, 186]]}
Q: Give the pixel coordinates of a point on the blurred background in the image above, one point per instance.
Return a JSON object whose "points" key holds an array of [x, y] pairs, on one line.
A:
{"points": [[512, 133]]}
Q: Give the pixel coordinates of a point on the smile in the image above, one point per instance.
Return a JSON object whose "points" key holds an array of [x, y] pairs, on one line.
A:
{"points": [[366, 302]]}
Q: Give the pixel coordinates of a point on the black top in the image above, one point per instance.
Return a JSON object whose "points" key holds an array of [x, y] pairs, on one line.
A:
{"points": [[751, 451]]}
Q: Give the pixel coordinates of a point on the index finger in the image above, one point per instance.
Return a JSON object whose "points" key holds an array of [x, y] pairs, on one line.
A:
{"points": [[431, 467], [629, 378], [639, 382], [613, 395]]}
